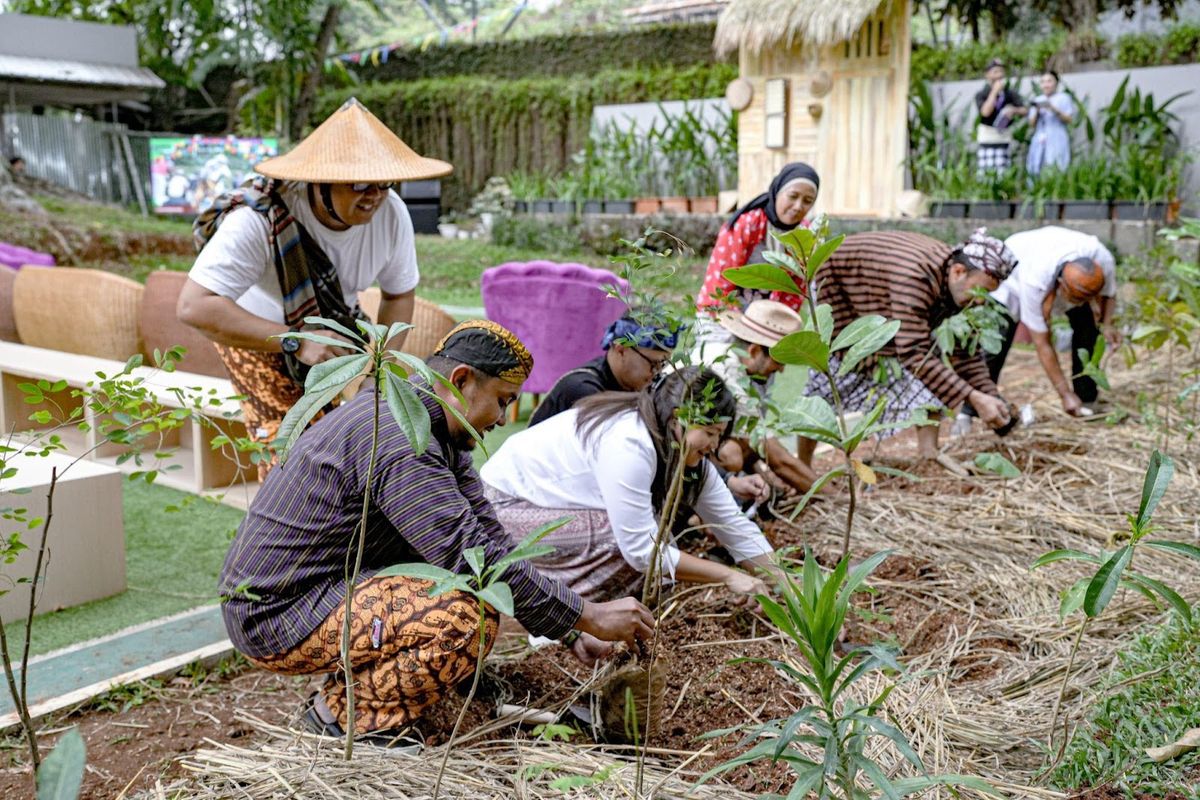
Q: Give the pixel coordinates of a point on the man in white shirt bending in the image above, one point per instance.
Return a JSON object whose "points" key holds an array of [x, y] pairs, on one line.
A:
{"points": [[321, 226], [1060, 272]]}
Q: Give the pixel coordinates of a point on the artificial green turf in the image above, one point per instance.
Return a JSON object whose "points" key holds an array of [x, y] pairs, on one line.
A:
{"points": [[1151, 699], [172, 560]]}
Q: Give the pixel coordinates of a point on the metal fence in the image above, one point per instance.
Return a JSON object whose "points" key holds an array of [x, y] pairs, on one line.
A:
{"points": [[98, 159]]}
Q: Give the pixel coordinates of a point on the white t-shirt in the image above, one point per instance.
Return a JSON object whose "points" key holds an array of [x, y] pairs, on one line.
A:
{"points": [[1039, 253], [548, 465], [238, 262]]}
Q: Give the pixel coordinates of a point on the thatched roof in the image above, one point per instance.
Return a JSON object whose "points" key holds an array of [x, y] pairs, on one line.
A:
{"points": [[758, 25]]}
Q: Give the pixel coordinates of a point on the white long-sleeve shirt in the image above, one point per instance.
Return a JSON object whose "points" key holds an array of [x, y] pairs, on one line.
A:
{"points": [[548, 465]]}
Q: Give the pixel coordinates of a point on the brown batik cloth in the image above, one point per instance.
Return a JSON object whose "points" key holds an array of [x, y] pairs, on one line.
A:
{"points": [[586, 556], [409, 650], [268, 393]]}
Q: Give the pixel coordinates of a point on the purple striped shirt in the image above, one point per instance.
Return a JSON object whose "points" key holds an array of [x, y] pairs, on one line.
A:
{"points": [[284, 573]]}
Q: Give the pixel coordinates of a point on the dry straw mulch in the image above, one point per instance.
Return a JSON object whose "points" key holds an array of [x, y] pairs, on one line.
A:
{"points": [[979, 703]]}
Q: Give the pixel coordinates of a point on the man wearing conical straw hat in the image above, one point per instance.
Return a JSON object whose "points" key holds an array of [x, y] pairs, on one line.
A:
{"points": [[321, 225]]}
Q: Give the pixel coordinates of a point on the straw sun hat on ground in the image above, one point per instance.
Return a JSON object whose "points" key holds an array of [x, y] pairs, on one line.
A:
{"points": [[763, 322], [352, 146]]}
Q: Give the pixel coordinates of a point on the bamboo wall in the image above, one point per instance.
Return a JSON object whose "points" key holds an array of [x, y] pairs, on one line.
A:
{"points": [[858, 137]]}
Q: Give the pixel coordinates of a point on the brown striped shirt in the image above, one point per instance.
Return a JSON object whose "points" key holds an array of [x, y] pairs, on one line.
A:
{"points": [[284, 573], [902, 276]]}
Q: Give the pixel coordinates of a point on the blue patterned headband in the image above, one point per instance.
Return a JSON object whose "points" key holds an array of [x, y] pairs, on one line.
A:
{"points": [[632, 333]]}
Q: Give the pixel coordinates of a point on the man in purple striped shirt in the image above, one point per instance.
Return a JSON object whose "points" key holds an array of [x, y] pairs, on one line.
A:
{"points": [[283, 582]]}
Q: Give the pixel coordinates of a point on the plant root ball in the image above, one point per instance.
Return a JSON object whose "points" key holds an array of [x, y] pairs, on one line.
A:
{"points": [[632, 682]]}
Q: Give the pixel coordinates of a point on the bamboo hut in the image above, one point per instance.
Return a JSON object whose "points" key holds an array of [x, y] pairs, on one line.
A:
{"points": [[824, 82]]}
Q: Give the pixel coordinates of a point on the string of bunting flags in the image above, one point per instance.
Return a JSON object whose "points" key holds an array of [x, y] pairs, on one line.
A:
{"points": [[379, 55]]}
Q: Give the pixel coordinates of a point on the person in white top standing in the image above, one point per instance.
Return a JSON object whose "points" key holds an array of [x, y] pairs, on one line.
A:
{"points": [[322, 225], [607, 462], [1060, 272]]}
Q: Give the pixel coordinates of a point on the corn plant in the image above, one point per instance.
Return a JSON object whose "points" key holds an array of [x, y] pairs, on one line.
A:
{"points": [[826, 743], [814, 346], [390, 369], [1093, 593], [485, 585]]}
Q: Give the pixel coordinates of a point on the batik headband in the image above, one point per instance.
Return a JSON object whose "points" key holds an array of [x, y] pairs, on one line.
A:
{"points": [[989, 254], [632, 333], [489, 348]]}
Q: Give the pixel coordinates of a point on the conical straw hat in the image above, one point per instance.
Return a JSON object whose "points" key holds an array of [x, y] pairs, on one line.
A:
{"points": [[352, 146]]}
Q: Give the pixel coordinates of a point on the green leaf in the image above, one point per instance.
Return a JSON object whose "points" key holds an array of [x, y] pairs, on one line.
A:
{"points": [[864, 427], [499, 596], [819, 484], [907, 786], [452, 411], [868, 345], [898, 739], [407, 410], [425, 572], [60, 776], [1158, 474], [877, 776], [474, 557], [1181, 606], [336, 371], [1189, 550], [765, 277], [821, 254], [528, 549], [318, 338], [1072, 598], [1104, 582], [856, 331], [1065, 555], [333, 325], [814, 418], [997, 465], [805, 348], [297, 419], [860, 573]]}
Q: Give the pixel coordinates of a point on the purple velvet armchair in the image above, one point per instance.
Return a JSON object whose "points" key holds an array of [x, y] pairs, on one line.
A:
{"points": [[560, 312]]}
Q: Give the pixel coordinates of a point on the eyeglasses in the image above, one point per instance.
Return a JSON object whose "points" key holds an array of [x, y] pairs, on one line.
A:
{"points": [[656, 366], [363, 188]]}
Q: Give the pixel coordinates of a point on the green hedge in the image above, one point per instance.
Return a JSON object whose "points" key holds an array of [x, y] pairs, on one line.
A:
{"points": [[573, 54], [970, 60], [484, 126], [1179, 44]]}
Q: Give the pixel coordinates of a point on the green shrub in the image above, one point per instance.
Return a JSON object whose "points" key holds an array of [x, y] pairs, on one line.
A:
{"points": [[1181, 44], [1138, 50]]}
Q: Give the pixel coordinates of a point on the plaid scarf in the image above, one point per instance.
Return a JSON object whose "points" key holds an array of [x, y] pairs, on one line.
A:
{"points": [[308, 280]]}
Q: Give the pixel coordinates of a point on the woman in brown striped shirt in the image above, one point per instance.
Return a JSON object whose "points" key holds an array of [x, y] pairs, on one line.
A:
{"points": [[921, 282]]}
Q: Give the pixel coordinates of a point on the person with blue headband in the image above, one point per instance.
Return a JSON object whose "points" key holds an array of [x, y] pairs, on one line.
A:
{"points": [[636, 348]]}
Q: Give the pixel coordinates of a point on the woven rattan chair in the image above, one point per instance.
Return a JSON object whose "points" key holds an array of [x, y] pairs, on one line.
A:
{"points": [[83, 311], [430, 322], [161, 329], [8, 325]]}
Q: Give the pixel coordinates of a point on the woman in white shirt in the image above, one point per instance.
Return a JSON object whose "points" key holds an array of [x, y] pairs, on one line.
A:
{"points": [[608, 463]]}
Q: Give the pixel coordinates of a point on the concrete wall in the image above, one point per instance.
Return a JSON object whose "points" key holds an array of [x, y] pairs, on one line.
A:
{"points": [[1095, 90]]}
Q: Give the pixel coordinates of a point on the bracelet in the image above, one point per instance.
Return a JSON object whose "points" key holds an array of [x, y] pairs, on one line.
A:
{"points": [[571, 637]]}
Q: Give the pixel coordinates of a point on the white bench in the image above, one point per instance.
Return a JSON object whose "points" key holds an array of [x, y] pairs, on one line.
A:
{"points": [[86, 545], [200, 467]]}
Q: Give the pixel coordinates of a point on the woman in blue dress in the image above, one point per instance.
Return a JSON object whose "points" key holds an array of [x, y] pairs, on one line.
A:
{"points": [[1051, 113]]}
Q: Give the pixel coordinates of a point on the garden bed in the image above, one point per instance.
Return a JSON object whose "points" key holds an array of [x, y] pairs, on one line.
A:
{"points": [[983, 644]]}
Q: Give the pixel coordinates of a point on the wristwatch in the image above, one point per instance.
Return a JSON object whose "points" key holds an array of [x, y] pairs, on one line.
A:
{"points": [[289, 346]]}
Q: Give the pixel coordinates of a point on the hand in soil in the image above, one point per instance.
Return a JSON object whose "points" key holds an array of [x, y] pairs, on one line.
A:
{"points": [[624, 620], [747, 585], [588, 649]]}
